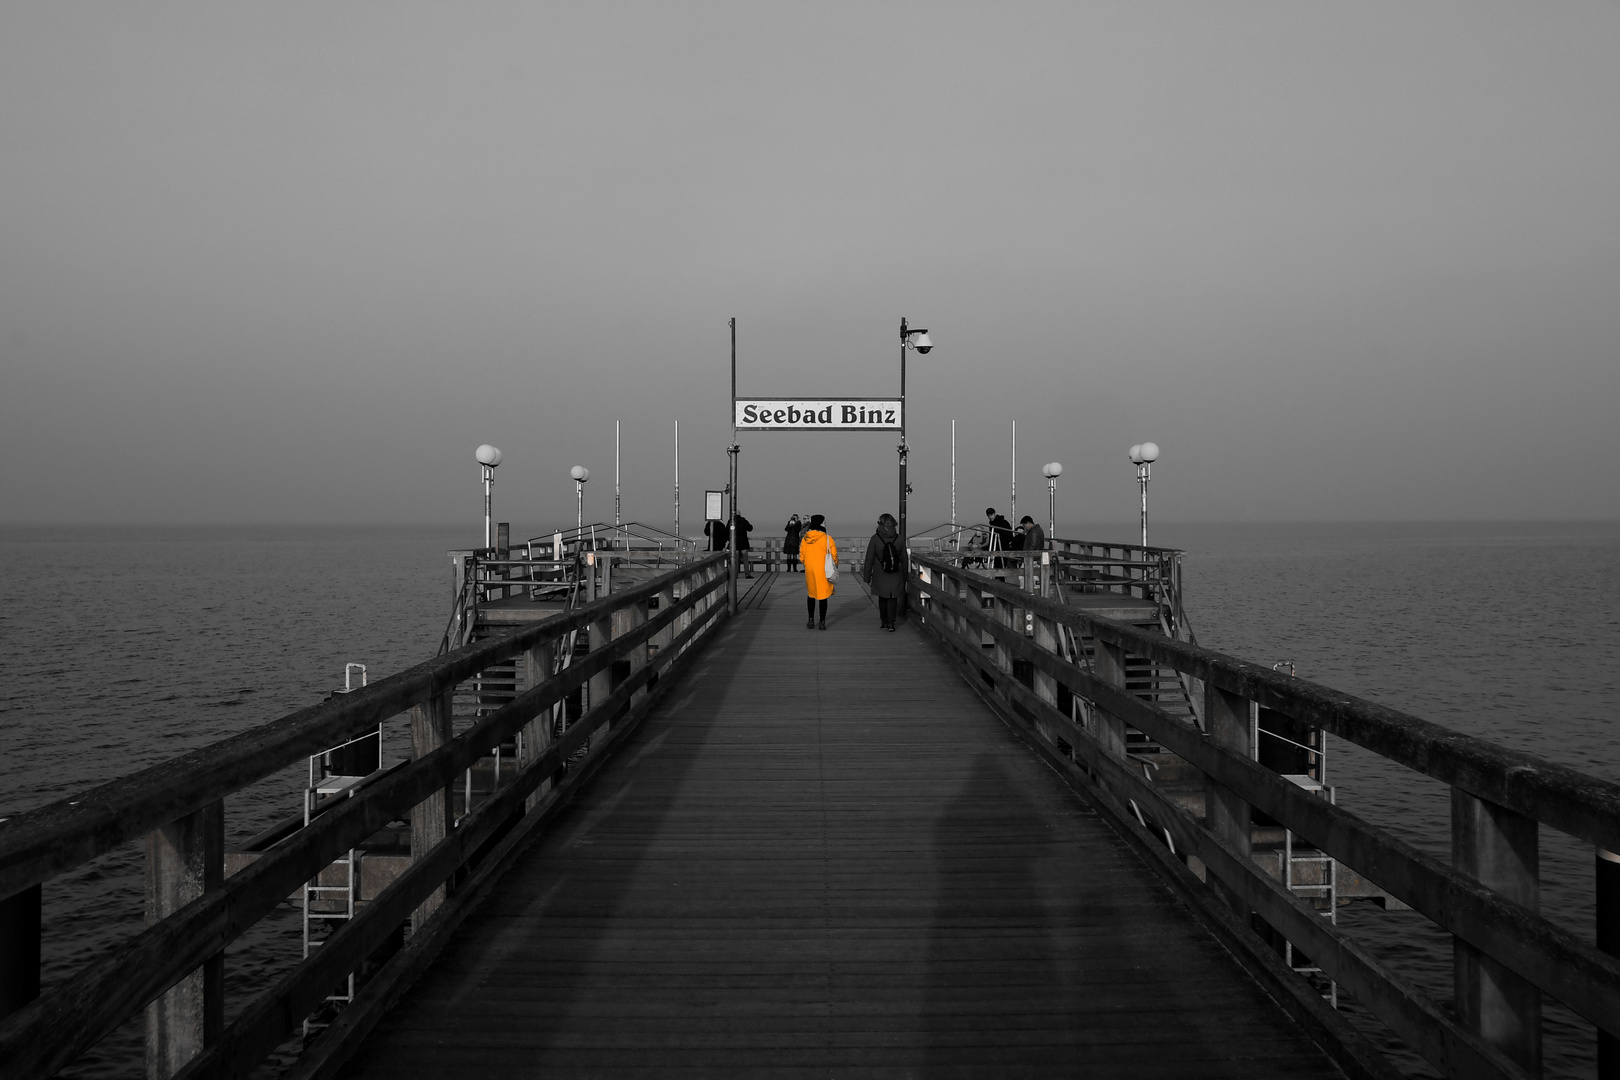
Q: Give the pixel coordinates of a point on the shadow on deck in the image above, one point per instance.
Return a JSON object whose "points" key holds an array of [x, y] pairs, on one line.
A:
{"points": [[823, 855]]}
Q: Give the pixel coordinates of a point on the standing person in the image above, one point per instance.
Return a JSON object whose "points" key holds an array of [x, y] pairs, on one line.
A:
{"points": [[1034, 535], [885, 569], [814, 547], [744, 527], [790, 540], [719, 533], [1000, 533]]}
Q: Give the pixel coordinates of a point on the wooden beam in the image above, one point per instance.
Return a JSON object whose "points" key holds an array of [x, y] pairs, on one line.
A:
{"points": [[433, 818], [1499, 848], [19, 949], [184, 860]]}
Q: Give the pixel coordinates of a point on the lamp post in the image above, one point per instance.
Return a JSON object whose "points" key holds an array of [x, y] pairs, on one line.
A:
{"points": [[580, 474], [1144, 455], [488, 458], [1051, 470], [910, 338]]}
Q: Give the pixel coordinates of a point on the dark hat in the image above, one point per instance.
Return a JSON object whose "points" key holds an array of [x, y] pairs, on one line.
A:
{"points": [[816, 521], [1026, 520], [989, 511], [887, 519]]}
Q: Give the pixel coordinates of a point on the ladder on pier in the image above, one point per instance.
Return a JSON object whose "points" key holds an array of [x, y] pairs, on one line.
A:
{"points": [[333, 896]]}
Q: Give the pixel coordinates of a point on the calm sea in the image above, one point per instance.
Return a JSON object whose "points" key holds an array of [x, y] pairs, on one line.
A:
{"points": [[121, 648]]}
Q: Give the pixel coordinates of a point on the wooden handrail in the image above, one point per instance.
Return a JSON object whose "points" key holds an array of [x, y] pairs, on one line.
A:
{"points": [[42, 843], [1571, 801], [51, 1031], [1495, 926]]}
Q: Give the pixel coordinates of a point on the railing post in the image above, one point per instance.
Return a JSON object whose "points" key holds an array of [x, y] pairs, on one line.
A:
{"points": [[1006, 616], [1608, 939], [1046, 639], [1225, 814], [538, 664], [184, 859], [19, 949], [600, 685], [1110, 661], [625, 621], [1499, 848], [431, 819], [950, 586], [660, 641]]}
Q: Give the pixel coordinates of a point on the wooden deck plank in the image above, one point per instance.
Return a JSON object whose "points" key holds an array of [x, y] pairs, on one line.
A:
{"points": [[823, 856]]}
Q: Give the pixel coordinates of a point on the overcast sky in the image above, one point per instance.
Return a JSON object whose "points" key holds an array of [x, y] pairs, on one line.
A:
{"points": [[293, 263]]}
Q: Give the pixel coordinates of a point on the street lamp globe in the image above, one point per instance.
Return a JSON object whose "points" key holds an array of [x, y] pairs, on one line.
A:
{"points": [[580, 473], [1136, 455], [488, 456], [1150, 452], [1051, 470]]}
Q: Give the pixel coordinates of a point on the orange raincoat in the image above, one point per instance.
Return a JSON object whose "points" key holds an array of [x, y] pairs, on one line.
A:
{"points": [[814, 547]]}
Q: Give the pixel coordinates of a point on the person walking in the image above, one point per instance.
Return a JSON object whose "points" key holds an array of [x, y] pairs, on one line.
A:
{"points": [[790, 541], [815, 547], [740, 536], [885, 569]]}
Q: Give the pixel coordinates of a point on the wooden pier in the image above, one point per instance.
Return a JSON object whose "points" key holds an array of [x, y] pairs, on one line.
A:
{"points": [[1039, 831], [822, 857]]}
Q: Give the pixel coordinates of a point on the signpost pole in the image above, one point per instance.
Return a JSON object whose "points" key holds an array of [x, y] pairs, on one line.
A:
{"points": [[905, 537], [731, 451]]}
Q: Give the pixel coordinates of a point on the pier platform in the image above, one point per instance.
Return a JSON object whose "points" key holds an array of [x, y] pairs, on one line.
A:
{"points": [[822, 855]]}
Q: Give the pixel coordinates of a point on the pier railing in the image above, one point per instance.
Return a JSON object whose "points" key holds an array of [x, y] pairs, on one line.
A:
{"points": [[1074, 705], [173, 969]]}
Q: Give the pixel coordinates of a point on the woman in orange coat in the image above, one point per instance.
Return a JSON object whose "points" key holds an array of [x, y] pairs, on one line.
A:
{"points": [[814, 547]]}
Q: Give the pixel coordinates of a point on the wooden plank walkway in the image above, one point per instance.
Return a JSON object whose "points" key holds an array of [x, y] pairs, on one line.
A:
{"points": [[824, 856]]}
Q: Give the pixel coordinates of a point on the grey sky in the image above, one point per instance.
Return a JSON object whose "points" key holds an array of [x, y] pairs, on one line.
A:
{"points": [[294, 262]]}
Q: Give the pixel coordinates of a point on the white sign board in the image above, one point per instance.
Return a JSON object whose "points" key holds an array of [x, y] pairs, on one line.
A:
{"points": [[818, 414], [715, 508]]}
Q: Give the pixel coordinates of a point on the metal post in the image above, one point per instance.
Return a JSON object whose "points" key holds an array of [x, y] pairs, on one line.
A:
{"points": [[615, 477], [1144, 473], [1499, 848], [905, 486], [731, 486], [489, 484], [579, 509], [677, 478], [953, 474], [1012, 513], [1051, 507], [731, 541]]}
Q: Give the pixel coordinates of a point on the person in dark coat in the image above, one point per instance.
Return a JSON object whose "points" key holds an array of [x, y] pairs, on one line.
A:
{"points": [[790, 541], [1001, 533], [743, 528], [719, 534], [1034, 535], [885, 569]]}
